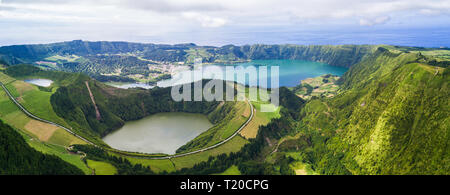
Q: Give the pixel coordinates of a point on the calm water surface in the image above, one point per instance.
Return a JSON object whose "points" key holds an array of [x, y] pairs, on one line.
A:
{"points": [[291, 72], [40, 82], [130, 85], [158, 133]]}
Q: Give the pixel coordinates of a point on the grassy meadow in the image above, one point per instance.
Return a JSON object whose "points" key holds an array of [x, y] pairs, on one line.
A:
{"points": [[102, 168], [41, 136]]}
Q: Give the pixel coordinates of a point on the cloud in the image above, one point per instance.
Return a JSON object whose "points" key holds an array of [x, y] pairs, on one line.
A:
{"points": [[260, 11], [374, 21], [172, 5], [130, 18], [204, 20]]}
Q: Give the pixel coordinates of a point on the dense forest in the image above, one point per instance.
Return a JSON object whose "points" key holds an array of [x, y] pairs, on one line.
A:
{"points": [[18, 158]]}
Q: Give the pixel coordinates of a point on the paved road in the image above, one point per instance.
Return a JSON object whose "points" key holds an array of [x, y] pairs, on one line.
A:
{"points": [[138, 156]]}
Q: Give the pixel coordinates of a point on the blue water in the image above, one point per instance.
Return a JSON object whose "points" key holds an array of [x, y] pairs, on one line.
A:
{"points": [[291, 72], [421, 37]]}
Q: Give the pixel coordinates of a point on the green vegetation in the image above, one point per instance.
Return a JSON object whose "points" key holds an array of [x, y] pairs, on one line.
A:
{"points": [[382, 123], [322, 86], [233, 170], [234, 145], [389, 114], [99, 90], [5, 79], [259, 119], [40, 136], [101, 168], [59, 151], [107, 164], [158, 166], [73, 103], [228, 124], [174, 164], [18, 158], [34, 100], [379, 124]]}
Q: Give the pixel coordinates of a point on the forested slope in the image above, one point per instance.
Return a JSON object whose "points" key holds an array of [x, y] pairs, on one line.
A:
{"points": [[18, 158], [392, 118]]}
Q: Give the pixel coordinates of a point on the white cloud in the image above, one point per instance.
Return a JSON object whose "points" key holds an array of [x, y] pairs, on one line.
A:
{"points": [[213, 12], [158, 17], [204, 20], [374, 21]]}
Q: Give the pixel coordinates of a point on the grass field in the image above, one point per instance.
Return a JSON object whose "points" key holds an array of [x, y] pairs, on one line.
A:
{"points": [[65, 58], [155, 165], [234, 145], [102, 168], [259, 119], [41, 136], [439, 54], [298, 166], [11, 114], [233, 170], [35, 100], [5, 79], [241, 114], [59, 151], [324, 85], [223, 129], [17, 119]]}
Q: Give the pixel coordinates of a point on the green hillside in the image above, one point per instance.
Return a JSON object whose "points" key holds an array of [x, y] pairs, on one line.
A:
{"points": [[388, 114], [18, 158], [393, 118]]}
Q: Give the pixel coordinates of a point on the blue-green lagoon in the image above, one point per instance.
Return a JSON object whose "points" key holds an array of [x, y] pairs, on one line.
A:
{"points": [[291, 72]]}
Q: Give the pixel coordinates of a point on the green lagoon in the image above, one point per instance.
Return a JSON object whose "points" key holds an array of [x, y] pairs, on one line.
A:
{"points": [[158, 133]]}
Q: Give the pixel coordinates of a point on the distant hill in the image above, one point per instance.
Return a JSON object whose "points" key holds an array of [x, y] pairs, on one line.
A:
{"points": [[127, 62], [344, 55]]}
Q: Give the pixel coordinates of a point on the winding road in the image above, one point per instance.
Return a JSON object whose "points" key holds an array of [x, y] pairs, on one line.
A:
{"points": [[40, 119], [120, 152]]}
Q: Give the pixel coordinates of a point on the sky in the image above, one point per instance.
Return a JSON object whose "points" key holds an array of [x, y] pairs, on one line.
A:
{"points": [[221, 22]]}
